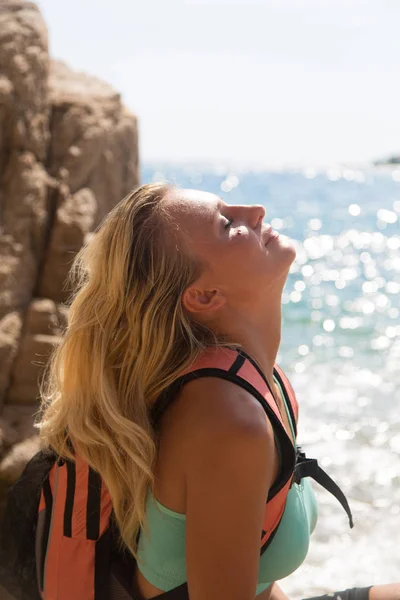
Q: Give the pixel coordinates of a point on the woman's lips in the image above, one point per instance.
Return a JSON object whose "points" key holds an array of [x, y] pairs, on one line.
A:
{"points": [[272, 235]]}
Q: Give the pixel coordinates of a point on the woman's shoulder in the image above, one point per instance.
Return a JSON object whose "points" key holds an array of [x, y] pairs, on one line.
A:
{"points": [[212, 414], [212, 403], [210, 420]]}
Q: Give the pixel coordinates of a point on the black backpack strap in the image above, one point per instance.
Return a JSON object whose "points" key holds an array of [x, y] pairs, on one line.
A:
{"points": [[18, 572], [309, 467]]}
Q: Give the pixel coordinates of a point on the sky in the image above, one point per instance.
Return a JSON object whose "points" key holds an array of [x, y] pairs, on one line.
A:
{"points": [[311, 82]]}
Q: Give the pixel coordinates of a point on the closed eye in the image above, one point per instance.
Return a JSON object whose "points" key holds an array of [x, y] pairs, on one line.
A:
{"points": [[228, 224]]}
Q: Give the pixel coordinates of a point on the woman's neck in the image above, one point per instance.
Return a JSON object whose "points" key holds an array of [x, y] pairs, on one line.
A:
{"points": [[259, 336]]}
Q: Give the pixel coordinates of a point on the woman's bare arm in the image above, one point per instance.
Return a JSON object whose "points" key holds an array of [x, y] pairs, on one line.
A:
{"points": [[229, 456]]}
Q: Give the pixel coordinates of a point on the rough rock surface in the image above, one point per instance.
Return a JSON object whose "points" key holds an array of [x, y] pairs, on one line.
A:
{"points": [[93, 155], [68, 154]]}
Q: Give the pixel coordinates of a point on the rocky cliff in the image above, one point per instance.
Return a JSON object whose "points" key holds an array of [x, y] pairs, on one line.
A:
{"points": [[68, 154]]}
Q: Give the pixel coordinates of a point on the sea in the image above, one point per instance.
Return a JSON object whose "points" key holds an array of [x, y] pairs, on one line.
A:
{"points": [[340, 349]]}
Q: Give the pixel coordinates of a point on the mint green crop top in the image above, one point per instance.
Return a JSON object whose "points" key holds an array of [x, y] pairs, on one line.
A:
{"points": [[161, 553]]}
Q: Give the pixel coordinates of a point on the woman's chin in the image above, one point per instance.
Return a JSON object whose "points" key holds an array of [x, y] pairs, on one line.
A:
{"points": [[284, 246]]}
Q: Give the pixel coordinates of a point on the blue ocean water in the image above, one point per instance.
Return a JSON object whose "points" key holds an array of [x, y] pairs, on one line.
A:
{"points": [[340, 348]]}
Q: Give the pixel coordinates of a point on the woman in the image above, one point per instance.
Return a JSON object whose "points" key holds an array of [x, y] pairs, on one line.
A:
{"points": [[168, 275]]}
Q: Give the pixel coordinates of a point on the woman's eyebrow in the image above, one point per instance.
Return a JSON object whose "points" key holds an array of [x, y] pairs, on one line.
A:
{"points": [[220, 204], [218, 213]]}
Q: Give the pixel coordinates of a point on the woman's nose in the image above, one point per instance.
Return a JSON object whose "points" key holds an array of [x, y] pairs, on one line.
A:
{"points": [[257, 212]]}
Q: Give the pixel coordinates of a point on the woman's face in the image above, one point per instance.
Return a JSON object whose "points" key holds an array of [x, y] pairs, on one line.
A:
{"points": [[244, 258]]}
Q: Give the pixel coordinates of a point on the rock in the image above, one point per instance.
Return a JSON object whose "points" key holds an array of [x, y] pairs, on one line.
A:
{"points": [[93, 154], [42, 317], [16, 424], [74, 219], [12, 465], [94, 138], [23, 198], [44, 322], [391, 160], [25, 66], [59, 177], [24, 135], [10, 331], [33, 355]]}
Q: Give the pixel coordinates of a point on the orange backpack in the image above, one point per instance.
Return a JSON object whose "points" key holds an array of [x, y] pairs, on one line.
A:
{"points": [[59, 532]]}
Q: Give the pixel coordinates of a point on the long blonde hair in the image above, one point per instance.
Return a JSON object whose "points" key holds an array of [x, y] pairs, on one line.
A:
{"points": [[128, 337]]}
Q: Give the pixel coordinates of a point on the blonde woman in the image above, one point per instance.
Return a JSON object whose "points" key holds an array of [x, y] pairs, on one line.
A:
{"points": [[178, 286]]}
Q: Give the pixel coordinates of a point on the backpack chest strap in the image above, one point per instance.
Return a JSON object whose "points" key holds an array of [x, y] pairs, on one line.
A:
{"points": [[309, 467]]}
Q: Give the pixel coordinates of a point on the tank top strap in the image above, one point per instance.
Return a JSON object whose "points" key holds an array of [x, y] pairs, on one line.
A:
{"points": [[225, 363], [291, 396]]}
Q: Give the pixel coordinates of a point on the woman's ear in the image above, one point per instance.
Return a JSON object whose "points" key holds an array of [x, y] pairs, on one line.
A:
{"points": [[196, 300]]}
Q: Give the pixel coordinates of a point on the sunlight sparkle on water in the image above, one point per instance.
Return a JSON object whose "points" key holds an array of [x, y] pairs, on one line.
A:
{"points": [[396, 175], [392, 331], [332, 300], [354, 210], [295, 296], [346, 352], [307, 270], [230, 183], [369, 287], [392, 287], [333, 174], [340, 284], [300, 286], [277, 223], [316, 316], [303, 349], [349, 175], [365, 257], [387, 216], [310, 173], [329, 325], [393, 243], [314, 224], [317, 303], [380, 343], [350, 322]]}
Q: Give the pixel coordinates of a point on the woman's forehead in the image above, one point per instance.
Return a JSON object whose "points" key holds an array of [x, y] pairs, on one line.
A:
{"points": [[199, 196], [194, 213], [193, 201]]}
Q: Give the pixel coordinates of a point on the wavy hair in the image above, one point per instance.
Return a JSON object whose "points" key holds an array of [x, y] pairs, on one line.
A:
{"points": [[127, 339]]}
